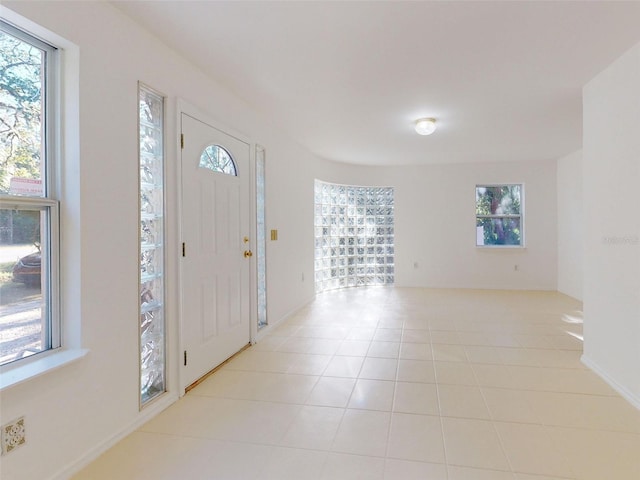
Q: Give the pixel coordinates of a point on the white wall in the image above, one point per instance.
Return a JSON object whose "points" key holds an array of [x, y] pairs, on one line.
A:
{"points": [[611, 176], [570, 225], [435, 224], [289, 209], [74, 412]]}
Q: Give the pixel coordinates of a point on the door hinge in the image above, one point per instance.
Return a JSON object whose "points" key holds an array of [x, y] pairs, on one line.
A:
{"points": [[185, 358], [182, 140], [184, 249]]}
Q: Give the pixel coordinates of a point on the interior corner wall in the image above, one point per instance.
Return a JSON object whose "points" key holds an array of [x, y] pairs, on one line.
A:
{"points": [[435, 225], [570, 225], [611, 176]]}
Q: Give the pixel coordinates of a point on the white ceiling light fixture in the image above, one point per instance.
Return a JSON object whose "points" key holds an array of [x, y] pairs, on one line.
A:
{"points": [[426, 126]]}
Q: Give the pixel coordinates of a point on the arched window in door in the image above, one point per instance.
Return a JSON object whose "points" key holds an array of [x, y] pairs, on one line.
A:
{"points": [[217, 159]]}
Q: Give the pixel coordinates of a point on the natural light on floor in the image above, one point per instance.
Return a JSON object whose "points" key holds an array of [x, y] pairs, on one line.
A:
{"points": [[398, 384]]}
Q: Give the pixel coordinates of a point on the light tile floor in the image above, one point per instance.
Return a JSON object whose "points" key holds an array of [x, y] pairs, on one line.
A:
{"points": [[393, 383]]}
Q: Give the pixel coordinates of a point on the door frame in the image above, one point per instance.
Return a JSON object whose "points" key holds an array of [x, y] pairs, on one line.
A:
{"points": [[184, 107]]}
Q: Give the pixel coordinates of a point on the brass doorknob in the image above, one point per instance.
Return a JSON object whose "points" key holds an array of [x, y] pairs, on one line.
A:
{"points": [[248, 253]]}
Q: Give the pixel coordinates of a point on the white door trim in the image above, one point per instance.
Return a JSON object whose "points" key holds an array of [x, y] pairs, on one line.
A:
{"points": [[184, 107]]}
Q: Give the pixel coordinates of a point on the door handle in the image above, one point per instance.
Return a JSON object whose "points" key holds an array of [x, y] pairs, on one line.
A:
{"points": [[248, 253]]}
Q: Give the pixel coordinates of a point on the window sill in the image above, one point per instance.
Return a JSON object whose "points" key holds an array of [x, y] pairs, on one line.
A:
{"points": [[44, 363]]}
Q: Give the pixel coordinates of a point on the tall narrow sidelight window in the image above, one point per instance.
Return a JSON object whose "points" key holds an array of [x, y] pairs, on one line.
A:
{"points": [[261, 237], [29, 238], [152, 309], [354, 236]]}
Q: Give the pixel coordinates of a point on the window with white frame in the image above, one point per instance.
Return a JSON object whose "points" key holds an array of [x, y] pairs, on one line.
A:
{"points": [[29, 250], [354, 236], [499, 215]]}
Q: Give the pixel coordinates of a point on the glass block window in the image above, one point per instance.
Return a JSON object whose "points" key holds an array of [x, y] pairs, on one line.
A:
{"points": [[261, 257], [499, 215], [354, 236], [216, 158], [152, 310]]}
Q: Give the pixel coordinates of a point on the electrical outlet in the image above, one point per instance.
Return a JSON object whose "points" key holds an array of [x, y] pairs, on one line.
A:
{"points": [[13, 435]]}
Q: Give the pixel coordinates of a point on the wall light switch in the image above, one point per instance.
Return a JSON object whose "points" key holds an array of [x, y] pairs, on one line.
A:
{"points": [[274, 234]]}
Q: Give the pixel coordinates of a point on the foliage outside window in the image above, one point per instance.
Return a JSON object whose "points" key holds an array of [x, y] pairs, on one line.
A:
{"points": [[354, 236], [499, 215], [29, 319], [217, 159]]}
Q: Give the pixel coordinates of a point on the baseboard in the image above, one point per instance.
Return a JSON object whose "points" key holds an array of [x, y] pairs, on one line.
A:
{"points": [[480, 288], [626, 394], [570, 295], [273, 324], [148, 413], [145, 415]]}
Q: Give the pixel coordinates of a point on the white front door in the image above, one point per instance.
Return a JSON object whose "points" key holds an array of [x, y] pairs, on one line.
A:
{"points": [[216, 263]]}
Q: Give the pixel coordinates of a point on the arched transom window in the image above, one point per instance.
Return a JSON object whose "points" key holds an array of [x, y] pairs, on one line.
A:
{"points": [[216, 158]]}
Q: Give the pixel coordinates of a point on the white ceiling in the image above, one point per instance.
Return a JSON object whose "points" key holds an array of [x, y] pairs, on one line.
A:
{"points": [[348, 79]]}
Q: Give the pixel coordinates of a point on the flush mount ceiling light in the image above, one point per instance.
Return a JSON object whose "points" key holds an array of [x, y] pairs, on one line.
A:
{"points": [[426, 126]]}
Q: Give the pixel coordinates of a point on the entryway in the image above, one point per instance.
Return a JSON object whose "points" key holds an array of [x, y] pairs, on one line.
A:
{"points": [[216, 251]]}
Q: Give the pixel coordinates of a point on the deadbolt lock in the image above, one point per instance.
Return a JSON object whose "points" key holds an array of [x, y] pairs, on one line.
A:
{"points": [[248, 253]]}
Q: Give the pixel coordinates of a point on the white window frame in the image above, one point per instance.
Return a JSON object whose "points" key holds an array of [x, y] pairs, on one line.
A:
{"points": [[63, 146], [520, 216], [48, 202]]}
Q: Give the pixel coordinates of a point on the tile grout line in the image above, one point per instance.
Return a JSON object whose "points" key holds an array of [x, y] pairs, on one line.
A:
{"points": [[435, 376]]}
